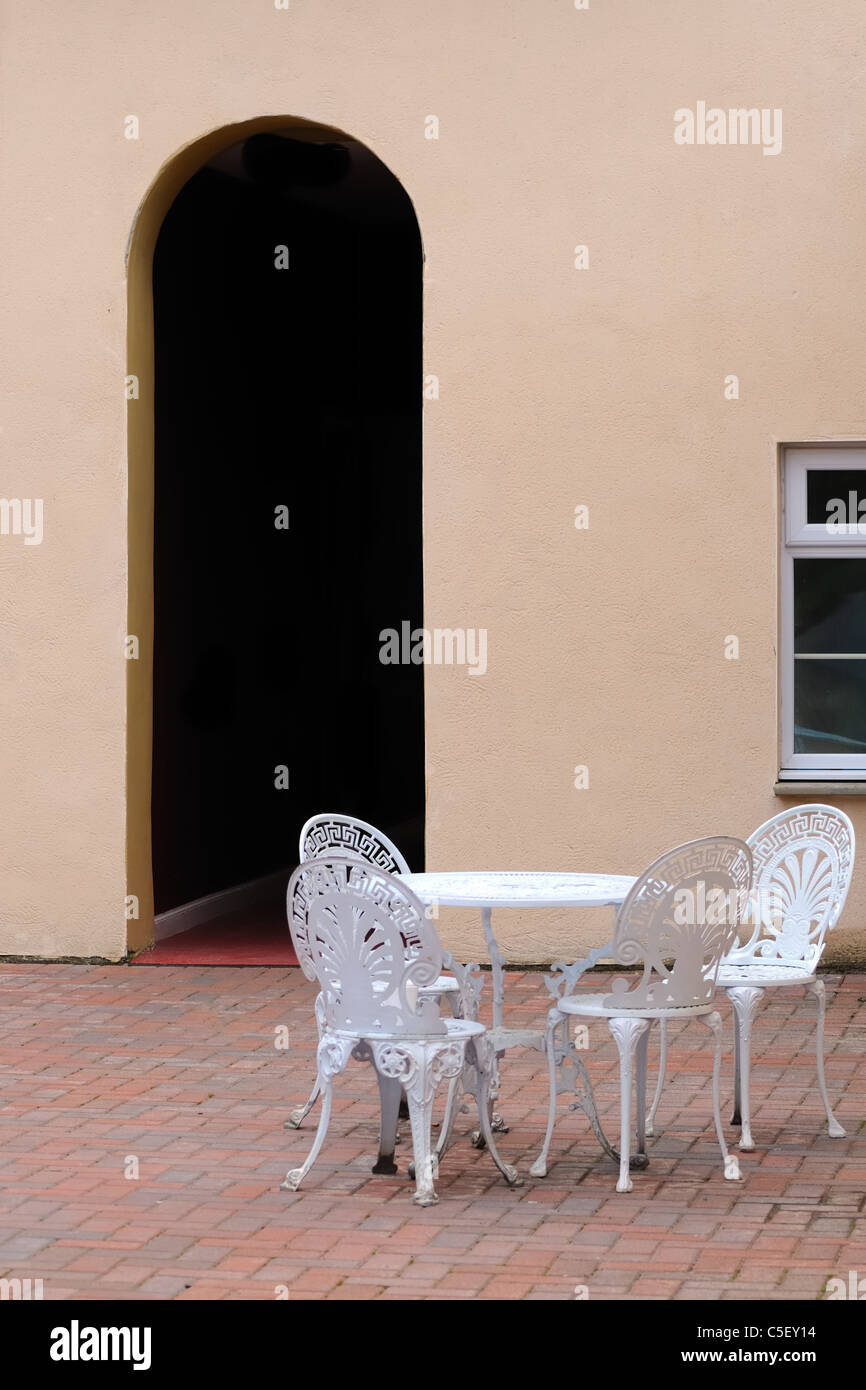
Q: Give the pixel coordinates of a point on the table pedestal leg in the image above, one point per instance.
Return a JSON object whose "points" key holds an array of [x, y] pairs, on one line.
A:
{"points": [[497, 968]]}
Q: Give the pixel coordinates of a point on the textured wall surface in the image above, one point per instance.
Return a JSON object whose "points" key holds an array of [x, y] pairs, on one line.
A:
{"points": [[558, 387]]}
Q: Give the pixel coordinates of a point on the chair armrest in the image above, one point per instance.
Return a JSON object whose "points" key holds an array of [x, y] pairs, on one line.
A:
{"points": [[563, 978]]}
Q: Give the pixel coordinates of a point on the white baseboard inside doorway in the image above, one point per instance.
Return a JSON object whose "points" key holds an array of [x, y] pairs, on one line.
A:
{"points": [[241, 895]]}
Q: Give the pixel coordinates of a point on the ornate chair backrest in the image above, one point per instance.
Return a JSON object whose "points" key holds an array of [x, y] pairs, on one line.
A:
{"points": [[364, 936], [804, 859], [334, 834], [679, 919]]}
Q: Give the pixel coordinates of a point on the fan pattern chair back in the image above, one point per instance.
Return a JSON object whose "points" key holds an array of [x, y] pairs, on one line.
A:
{"points": [[679, 919], [363, 935], [334, 834], [804, 859]]}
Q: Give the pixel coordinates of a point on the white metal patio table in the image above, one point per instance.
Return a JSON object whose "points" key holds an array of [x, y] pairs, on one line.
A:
{"points": [[526, 889]]}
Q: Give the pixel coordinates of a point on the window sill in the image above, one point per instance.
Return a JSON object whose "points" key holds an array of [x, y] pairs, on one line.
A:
{"points": [[824, 788]]}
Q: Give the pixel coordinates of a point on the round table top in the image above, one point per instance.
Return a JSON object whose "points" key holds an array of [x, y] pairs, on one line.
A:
{"points": [[520, 888]]}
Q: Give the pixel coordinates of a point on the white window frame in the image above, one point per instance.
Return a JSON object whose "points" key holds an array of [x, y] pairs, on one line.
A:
{"points": [[803, 541]]}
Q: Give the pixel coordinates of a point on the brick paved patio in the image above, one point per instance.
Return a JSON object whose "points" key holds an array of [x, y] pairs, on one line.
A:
{"points": [[177, 1067]]}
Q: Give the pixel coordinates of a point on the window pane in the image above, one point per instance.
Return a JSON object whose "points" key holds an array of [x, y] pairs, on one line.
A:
{"points": [[829, 489], [830, 707], [829, 606], [830, 656]]}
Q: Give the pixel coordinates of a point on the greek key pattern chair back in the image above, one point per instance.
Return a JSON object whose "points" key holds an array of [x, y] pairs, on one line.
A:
{"points": [[804, 859], [333, 834], [685, 909], [363, 935]]}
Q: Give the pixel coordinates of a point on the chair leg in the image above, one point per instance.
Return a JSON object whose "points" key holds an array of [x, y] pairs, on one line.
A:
{"points": [[497, 1123], [482, 1072], [640, 1090], [452, 1105], [626, 1033], [297, 1117], [817, 988], [713, 1021], [663, 1061], [736, 1117], [452, 1100], [745, 1000], [418, 1067], [295, 1176], [554, 1021], [390, 1095], [332, 1056], [470, 1083]]}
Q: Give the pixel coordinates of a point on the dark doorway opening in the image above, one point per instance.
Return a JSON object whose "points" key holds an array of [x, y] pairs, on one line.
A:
{"points": [[294, 388]]}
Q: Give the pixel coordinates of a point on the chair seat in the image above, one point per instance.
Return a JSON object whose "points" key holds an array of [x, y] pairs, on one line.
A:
{"points": [[456, 1028], [446, 984], [755, 973], [594, 1006]]}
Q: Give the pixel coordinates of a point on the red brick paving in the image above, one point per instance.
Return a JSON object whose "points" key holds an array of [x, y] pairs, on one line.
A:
{"points": [[176, 1067]]}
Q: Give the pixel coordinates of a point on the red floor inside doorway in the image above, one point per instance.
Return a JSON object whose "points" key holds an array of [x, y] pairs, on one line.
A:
{"points": [[254, 936]]}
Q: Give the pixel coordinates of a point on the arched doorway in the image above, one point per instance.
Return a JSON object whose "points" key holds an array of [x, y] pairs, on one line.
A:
{"points": [[286, 474]]}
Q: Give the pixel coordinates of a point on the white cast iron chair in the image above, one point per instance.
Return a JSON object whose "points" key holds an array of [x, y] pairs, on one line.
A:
{"points": [[804, 859], [365, 937], [679, 918], [328, 833]]}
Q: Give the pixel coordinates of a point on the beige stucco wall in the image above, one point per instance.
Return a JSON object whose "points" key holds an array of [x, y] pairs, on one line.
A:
{"points": [[559, 387]]}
